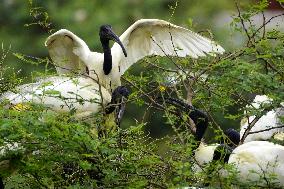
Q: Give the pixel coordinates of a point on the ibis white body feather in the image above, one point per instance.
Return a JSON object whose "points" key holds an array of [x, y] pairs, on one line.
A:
{"points": [[252, 160], [269, 120], [62, 94], [204, 153], [258, 160], [144, 38]]}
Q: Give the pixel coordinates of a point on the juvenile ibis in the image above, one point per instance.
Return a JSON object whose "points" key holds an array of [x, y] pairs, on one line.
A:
{"points": [[145, 37]]}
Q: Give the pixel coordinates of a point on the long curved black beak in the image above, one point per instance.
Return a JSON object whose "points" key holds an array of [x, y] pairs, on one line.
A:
{"points": [[116, 39]]}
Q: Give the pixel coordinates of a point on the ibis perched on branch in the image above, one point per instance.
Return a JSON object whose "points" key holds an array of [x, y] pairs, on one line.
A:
{"points": [[259, 162], [145, 37]]}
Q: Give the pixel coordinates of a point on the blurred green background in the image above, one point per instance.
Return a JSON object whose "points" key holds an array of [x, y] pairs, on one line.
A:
{"points": [[85, 17]]}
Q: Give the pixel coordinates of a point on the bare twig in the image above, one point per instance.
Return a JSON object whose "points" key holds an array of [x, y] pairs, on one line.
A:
{"points": [[243, 22], [264, 28], [250, 125], [268, 129], [161, 68], [265, 23]]}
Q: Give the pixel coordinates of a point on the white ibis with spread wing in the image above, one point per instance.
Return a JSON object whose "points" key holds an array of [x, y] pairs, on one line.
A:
{"points": [[145, 37]]}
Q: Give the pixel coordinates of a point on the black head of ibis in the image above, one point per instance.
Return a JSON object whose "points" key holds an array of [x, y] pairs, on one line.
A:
{"points": [[106, 34]]}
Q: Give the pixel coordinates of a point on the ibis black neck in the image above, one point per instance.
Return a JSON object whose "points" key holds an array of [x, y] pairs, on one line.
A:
{"points": [[198, 117], [201, 122], [225, 149], [107, 65], [222, 152]]}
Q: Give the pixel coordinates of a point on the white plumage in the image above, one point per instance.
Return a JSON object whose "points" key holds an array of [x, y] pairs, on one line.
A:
{"points": [[269, 120], [253, 160], [204, 154], [62, 94], [258, 159], [144, 38]]}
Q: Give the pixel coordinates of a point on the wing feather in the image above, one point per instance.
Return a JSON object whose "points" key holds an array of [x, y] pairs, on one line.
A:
{"points": [[158, 37], [67, 51]]}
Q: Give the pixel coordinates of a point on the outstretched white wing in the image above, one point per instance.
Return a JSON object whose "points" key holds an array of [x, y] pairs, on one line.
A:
{"points": [[158, 37], [67, 51]]}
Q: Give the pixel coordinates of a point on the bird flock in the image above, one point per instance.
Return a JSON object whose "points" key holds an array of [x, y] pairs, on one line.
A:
{"points": [[90, 82]]}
